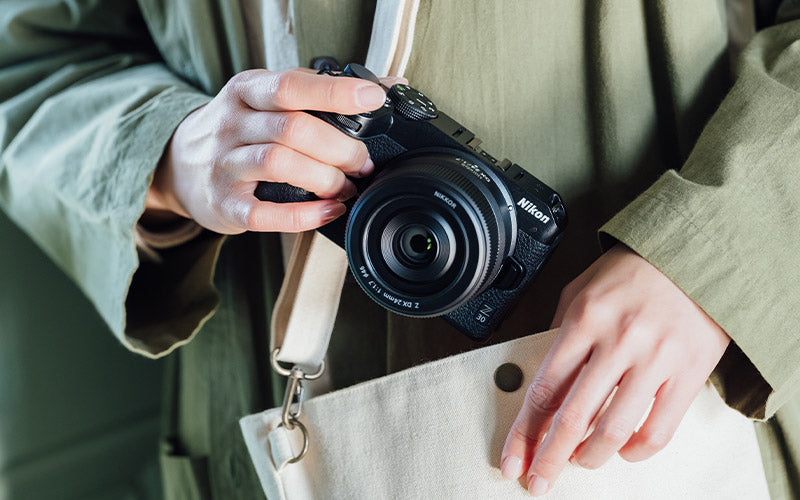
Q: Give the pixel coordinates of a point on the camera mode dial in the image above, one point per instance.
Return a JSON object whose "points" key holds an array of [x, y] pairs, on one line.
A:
{"points": [[411, 103]]}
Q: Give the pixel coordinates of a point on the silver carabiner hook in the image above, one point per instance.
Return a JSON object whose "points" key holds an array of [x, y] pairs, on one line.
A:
{"points": [[293, 397]]}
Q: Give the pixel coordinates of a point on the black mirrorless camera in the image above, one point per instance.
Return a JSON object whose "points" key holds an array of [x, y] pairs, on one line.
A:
{"points": [[442, 228]]}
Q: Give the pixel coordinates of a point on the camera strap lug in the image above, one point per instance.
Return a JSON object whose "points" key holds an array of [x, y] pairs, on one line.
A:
{"points": [[475, 144]]}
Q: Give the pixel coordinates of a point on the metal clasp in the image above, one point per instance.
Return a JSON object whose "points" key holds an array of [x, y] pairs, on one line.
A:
{"points": [[293, 398]]}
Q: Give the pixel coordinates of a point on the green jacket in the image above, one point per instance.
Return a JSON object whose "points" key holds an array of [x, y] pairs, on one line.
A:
{"points": [[626, 108]]}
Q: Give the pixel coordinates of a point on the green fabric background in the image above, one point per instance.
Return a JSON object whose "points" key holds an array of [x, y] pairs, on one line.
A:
{"points": [[604, 101]]}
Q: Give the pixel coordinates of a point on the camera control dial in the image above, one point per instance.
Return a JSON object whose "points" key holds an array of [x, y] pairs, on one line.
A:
{"points": [[411, 103]]}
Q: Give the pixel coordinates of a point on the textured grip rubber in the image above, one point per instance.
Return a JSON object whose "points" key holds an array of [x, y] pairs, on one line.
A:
{"points": [[529, 252], [280, 192], [382, 148]]}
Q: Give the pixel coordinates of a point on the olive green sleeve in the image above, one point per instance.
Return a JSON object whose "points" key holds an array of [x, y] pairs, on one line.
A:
{"points": [[726, 228], [86, 109]]}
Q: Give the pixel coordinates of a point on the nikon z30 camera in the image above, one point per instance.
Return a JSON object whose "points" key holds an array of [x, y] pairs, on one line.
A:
{"points": [[442, 228]]}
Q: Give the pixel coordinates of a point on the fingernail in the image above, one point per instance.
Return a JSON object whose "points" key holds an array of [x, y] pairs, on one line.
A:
{"points": [[537, 485], [367, 168], [332, 211], [394, 80], [370, 96], [348, 191], [511, 467]]}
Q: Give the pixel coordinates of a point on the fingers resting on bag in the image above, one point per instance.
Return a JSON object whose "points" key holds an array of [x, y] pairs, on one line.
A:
{"points": [[628, 338]]}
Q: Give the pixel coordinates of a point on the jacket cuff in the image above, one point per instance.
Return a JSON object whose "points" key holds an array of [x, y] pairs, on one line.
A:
{"points": [[672, 225], [150, 240], [169, 298]]}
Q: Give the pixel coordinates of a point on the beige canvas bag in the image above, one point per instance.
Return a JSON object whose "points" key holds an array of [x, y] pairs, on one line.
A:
{"points": [[437, 430]]}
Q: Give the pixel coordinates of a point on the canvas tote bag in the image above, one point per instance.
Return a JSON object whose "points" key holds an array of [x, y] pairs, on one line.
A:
{"points": [[437, 430]]}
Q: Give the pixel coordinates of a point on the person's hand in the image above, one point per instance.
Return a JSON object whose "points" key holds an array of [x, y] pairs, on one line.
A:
{"points": [[624, 325], [252, 131]]}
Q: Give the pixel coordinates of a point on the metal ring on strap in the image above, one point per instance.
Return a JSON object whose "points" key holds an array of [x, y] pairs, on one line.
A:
{"points": [[298, 424]]}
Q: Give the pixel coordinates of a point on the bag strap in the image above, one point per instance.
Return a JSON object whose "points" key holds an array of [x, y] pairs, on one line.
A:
{"points": [[302, 322], [304, 313], [303, 317]]}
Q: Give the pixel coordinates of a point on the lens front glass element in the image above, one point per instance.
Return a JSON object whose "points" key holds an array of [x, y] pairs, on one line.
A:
{"points": [[417, 245]]}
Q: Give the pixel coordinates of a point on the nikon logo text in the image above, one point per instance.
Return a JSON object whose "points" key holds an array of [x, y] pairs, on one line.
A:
{"points": [[531, 209]]}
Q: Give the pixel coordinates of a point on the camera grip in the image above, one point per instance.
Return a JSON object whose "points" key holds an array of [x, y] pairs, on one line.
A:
{"points": [[280, 192], [381, 150], [471, 318]]}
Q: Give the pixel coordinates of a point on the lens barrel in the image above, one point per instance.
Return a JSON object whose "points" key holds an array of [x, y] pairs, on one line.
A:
{"points": [[430, 232]]}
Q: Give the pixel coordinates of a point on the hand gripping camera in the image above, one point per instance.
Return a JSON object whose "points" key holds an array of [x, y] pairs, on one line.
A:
{"points": [[442, 228]]}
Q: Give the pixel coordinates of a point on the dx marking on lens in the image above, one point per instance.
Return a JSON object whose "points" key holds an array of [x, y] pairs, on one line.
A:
{"points": [[401, 302]]}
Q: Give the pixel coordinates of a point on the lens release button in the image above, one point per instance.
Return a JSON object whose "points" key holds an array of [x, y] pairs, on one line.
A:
{"points": [[510, 275]]}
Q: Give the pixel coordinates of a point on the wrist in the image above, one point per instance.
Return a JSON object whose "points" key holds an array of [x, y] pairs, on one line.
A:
{"points": [[161, 205]]}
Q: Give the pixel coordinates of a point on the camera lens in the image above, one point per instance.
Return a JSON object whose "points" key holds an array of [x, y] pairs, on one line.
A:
{"points": [[417, 244], [430, 233], [415, 247]]}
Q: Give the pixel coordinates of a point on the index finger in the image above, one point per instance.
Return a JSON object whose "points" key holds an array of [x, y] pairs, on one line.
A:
{"points": [[550, 385], [296, 90]]}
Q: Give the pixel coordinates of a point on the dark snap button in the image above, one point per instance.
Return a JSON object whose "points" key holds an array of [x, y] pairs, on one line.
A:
{"points": [[508, 377]]}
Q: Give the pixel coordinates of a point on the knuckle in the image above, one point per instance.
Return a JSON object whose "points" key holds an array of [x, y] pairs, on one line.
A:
{"points": [[269, 155], [633, 338], [580, 309], [586, 463], [257, 220], [522, 434], [332, 181], [614, 432], [221, 190], [570, 420], [660, 348], [253, 219], [590, 308], [284, 89], [545, 465], [221, 166], [293, 127], [224, 129], [655, 440], [235, 86], [298, 220], [541, 396], [330, 92], [359, 154]]}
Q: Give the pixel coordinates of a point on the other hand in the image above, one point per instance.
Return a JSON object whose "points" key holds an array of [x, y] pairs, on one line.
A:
{"points": [[623, 325]]}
